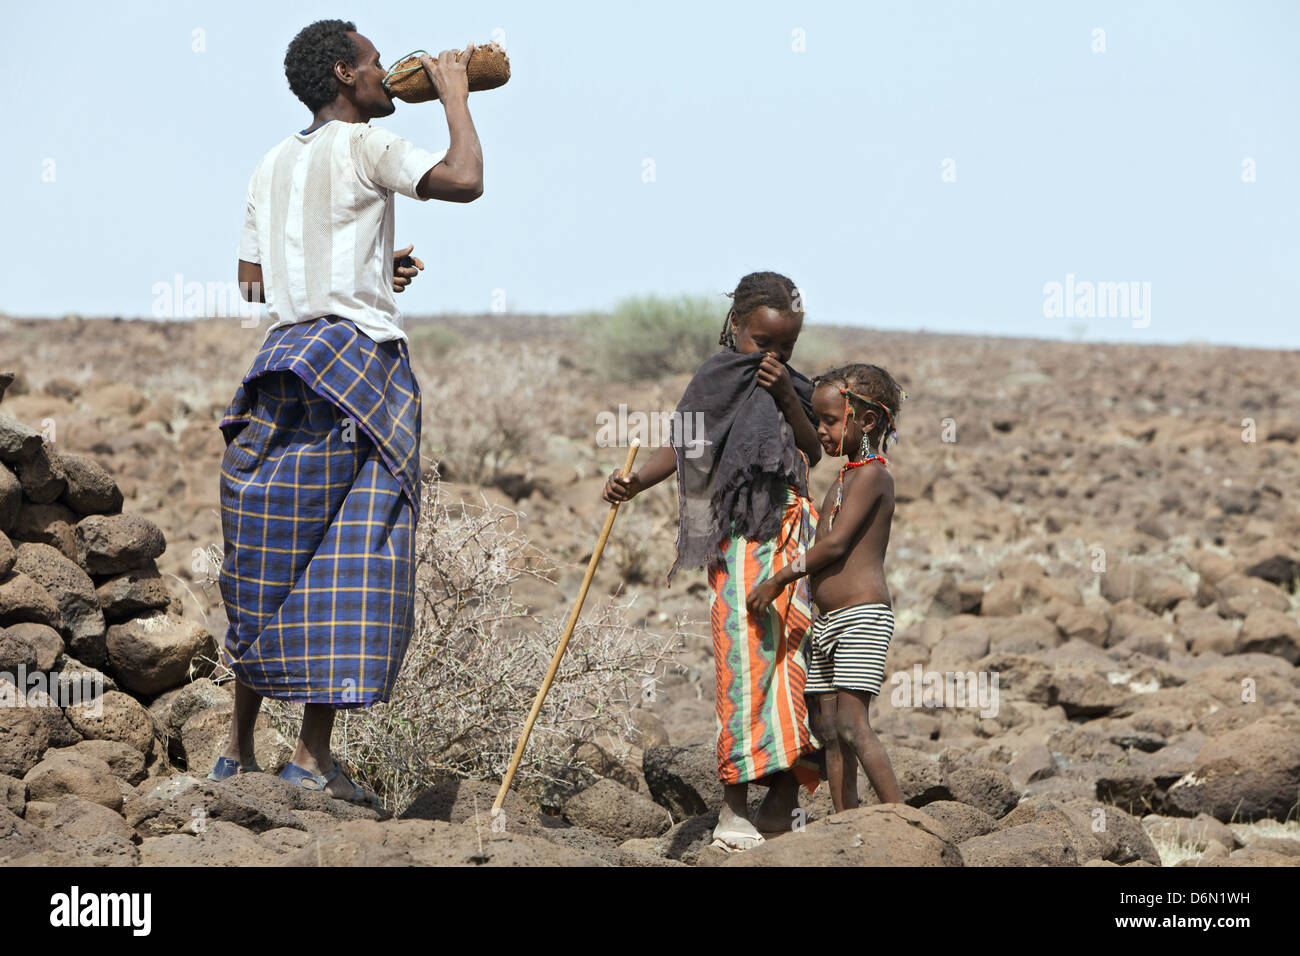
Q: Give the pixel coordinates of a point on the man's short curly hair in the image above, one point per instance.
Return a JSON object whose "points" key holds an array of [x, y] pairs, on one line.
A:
{"points": [[309, 61]]}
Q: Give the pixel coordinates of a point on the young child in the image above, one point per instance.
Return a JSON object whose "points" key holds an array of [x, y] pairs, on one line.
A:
{"points": [[857, 406], [745, 514]]}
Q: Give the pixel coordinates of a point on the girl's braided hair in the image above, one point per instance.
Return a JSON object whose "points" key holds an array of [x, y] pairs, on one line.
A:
{"points": [[754, 291], [869, 385]]}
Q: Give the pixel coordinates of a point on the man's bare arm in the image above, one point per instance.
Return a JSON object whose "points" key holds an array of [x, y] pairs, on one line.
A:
{"points": [[459, 177], [250, 281]]}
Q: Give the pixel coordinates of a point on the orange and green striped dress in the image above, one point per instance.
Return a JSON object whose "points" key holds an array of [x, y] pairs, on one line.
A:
{"points": [[759, 663]]}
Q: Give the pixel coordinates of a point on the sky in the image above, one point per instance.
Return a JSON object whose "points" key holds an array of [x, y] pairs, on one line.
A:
{"points": [[1118, 171]]}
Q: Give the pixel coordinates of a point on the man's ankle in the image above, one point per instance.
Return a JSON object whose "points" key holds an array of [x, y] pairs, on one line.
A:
{"points": [[237, 749], [315, 762]]}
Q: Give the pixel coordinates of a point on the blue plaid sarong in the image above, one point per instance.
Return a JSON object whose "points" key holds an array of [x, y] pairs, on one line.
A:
{"points": [[320, 497]]}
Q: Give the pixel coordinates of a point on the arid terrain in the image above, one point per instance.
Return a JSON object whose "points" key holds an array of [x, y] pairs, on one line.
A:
{"points": [[1107, 532]]}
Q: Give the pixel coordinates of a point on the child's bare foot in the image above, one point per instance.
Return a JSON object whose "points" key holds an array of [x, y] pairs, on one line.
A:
{"points": [[776, 812], [773, 820], [734, 833]]}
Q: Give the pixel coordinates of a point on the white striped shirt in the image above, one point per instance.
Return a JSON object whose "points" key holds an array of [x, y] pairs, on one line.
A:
{"points": [[320, 223]]}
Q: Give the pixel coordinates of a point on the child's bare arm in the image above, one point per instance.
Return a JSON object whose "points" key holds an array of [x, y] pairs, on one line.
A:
{"points": [[862, 492], [662, 463], [775, 377]]}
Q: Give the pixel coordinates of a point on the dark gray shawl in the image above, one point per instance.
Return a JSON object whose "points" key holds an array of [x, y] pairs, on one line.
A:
{"points": [[744, 459]]}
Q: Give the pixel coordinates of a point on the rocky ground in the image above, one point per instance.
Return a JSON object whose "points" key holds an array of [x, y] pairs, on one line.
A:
{"points": [[1108, 530]]}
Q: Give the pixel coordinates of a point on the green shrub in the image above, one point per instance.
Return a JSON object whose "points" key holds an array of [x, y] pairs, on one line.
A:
{"points": [[647, 337], [652, 336]]}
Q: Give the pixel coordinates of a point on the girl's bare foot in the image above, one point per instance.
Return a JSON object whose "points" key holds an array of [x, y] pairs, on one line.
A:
{"points": [[734, 833]]}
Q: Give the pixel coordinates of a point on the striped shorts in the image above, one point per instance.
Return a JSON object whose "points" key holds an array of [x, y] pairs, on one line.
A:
{"points": [[848, 647]]}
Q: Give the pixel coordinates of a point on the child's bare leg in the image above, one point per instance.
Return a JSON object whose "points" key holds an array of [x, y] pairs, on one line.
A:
{"points": [[855, 730], [826, 727], [734, 828], [849, 786], [776, 812]]}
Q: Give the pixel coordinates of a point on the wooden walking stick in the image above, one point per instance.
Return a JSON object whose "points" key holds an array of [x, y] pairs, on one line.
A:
{"points": [[564, 640]]}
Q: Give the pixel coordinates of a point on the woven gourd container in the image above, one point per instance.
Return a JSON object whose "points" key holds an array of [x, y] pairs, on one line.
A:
{"points": [[488, 68]]}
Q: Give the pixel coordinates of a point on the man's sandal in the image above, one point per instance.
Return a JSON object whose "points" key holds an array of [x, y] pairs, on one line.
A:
{"points": [[313, 781], [359, 795], [225, 768], [302, 778]]}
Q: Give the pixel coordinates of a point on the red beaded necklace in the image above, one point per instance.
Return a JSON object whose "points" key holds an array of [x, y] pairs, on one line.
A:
{"points": [[839, 487]]}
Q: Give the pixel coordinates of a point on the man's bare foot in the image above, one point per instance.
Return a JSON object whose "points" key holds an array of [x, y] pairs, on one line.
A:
{"points": [[734, 833]]}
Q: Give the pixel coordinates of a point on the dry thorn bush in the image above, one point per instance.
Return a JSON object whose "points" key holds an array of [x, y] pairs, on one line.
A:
{"points": [[476, 661]]}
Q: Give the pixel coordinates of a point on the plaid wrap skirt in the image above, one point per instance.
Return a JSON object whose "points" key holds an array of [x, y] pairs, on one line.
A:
{"points": [[319, 505]]}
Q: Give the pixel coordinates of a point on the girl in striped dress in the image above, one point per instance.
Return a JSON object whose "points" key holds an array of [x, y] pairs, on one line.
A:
{"points": [[856, 406], [743, 440]]}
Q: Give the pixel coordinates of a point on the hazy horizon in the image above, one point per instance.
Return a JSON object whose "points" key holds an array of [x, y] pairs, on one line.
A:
{"points": [[422, 317]]}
